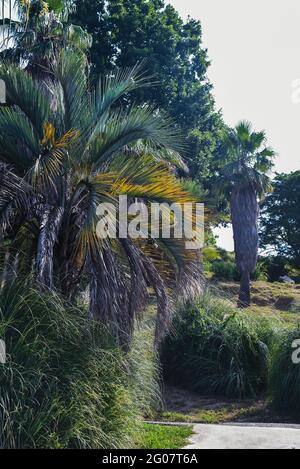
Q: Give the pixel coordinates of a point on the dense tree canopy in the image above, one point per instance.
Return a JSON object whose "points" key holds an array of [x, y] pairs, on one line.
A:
{"points": [[280, 223], [128, 31]]}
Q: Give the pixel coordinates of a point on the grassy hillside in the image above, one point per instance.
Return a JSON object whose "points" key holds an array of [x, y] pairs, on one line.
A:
{"points": [[222, 364], [276, 299]]}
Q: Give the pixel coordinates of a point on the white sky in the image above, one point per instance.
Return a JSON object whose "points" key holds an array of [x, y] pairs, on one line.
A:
{"points": [[254, 48], [8, 6]]}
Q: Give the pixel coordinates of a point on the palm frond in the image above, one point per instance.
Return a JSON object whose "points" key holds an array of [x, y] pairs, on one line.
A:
{"points": [[140, 149], [243, 131], [264, 160], [15, 198], [162, 187], [50, 163], [257, 139], [249, 160], [109, 295], [124, 128], [164, 303], [71, 75], [118, 84], [23, 92], [19, 143], [90, 193]]}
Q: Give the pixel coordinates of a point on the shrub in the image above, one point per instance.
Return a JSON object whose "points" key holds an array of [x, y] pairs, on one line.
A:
{"points": [[285, 375], [261, 271], [217, 349], [223, 267], [225, 270], [276, 267], [65, 383], [210, 254]]}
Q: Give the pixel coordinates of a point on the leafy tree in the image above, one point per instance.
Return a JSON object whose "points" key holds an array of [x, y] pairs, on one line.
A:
{"points": [[127, 31], [57, 167], [245, 180], [280, 221]]}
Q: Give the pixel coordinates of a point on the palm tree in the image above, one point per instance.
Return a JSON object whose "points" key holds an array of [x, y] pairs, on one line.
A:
{"points": [[58, 167], [245, 181], [41, 31]]}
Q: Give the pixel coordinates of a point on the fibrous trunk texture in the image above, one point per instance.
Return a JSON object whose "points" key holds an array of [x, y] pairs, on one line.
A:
{"points": [[50, 222], [244, 214]]}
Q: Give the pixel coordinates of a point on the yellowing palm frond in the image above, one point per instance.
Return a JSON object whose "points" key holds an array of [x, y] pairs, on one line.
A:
{"points": [[50, 163]]}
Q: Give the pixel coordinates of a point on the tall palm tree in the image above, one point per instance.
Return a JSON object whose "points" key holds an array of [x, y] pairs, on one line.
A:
{"points": [[245, 180], [58, 167], [41, 31]]}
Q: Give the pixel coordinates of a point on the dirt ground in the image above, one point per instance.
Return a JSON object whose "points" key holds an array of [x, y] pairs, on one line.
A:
{"points": [[183, 406]]}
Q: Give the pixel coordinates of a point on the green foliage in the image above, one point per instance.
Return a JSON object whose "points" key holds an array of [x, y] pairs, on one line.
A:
{"points": [[106, 149], [66, 384], [225, 270], [280, 220], [285, 375], [222, 265], [247, 160], [211, 416], [261, 271], [56, 6], [163, 437], [216, 349], [43, 30], [210, 254], [125, 32]]}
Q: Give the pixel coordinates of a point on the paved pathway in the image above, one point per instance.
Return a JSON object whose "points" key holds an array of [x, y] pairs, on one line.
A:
{"points": [[245, 437]]}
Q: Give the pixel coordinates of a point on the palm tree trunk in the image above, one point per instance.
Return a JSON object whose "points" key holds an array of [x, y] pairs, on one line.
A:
{"points": [[9, 272], [244, 215], [50, 223], [244, 295]]}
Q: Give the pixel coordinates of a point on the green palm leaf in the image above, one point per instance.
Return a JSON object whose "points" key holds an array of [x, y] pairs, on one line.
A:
{"points": [[124, 128], [19, 141], [24, 93]]}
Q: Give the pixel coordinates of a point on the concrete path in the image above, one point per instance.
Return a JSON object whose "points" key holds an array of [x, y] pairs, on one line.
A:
{"points": [[245, 437]]}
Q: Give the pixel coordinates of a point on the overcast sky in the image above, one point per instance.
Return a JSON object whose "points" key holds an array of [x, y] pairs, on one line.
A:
{"points": [[254, 48]]}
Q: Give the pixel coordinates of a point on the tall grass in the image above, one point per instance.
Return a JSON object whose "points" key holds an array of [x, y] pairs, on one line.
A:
{"points": [[218, 349], [65, 383], [285, 374]]}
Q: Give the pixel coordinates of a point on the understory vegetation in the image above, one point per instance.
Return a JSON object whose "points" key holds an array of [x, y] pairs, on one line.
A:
{"points": [[285, 375], [66, 384], [163, 436], [215, 349]]}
